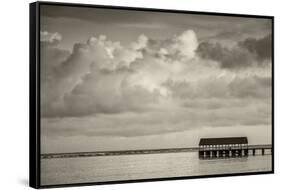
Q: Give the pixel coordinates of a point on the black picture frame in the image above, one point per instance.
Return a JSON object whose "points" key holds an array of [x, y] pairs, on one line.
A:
{"points": [[34, 98]]}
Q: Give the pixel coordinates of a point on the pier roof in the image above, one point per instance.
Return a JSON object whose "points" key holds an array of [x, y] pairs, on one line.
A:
{"points": [[225, 140]]}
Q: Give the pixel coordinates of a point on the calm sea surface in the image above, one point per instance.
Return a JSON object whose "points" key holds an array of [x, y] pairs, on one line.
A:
{"points": [[144, 166]]}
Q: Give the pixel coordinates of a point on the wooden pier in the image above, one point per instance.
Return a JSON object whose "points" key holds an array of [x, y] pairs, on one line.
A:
{"points": [[211, 148], [205, 152]]}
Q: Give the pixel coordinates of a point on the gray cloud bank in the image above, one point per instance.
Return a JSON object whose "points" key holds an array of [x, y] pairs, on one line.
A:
{"points": [[245, 53]]}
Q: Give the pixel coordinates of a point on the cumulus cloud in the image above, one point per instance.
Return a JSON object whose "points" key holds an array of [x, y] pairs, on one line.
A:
{"points": [[149, 85], [101, 76], [92, 79], [184, 44], [178, 47], [105, 91]]}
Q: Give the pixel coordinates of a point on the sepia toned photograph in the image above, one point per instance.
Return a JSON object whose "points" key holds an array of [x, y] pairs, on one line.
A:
{"points": [[136, 94]]}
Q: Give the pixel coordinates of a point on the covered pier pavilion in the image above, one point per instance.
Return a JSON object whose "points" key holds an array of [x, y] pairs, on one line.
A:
{"points": [[223, 147]]}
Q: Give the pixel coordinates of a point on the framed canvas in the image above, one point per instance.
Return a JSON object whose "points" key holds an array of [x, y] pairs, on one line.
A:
{"points": [[122, 94]]}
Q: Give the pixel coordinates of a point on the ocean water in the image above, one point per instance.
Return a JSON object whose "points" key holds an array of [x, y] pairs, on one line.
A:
{"points": [[144, 166]]}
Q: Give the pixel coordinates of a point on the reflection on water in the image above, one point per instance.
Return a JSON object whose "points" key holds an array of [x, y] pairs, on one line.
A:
{"points": [[146, 166]]}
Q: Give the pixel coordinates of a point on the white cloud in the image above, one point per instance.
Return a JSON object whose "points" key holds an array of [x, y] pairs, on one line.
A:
{"points": [[186, 44], [50, 37], [141, 43]]}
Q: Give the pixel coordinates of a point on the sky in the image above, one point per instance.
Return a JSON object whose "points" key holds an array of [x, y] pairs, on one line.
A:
{"points": [[122, 80]]}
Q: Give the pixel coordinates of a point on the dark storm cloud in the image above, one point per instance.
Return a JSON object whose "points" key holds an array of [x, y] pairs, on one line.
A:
{"points": [[227, 57], [262, 48], [249, 52]]}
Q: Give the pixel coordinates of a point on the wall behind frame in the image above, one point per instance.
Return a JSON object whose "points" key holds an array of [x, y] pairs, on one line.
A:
{"points": [[14, 77]]}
